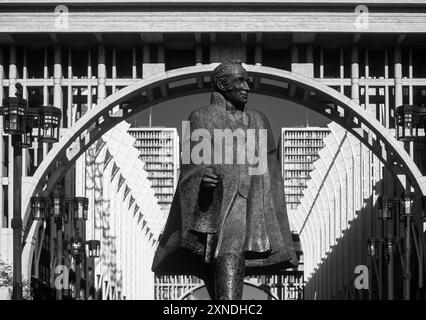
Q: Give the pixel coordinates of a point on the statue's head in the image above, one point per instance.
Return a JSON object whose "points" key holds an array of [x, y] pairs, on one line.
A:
{"points": [[231, 80]]}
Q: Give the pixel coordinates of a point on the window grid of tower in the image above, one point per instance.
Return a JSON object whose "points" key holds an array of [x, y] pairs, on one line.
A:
{"points": [[159, 150], [300, 148]]}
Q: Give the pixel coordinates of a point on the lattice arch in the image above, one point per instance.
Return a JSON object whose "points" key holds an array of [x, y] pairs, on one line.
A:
{"points": [[191, 80]]}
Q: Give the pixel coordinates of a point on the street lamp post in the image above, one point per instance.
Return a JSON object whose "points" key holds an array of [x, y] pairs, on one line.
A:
{"points": [[13, 124], [16, 116], [77, 250], [373, 252], [409, 119], [93, 252], [17, 218], [80, 209], [386, 205], [390, 248], [57, 213], [407, 206]]}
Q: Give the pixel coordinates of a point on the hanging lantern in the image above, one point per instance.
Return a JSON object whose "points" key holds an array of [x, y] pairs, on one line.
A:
{"points": [[407, 203], [407, 122], [94, 248], [68, 210], [77, 245], [390, 245], [39, 208], [81, 205], [27, 137], [385, 207], [14, 115], [57, 205], [372, 247], [49, 123]]}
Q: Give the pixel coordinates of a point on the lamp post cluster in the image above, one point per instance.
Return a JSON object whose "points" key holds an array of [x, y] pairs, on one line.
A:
{"points": [[19, 120], [386, 210], [67, 210], [408, 120]]}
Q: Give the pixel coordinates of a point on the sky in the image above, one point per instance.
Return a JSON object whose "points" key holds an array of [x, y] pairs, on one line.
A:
{"points": [[280, 113]]}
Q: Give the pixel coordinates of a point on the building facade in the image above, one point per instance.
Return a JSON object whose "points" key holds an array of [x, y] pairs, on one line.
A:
{"points": [[159, 150], [75, 63], [299, 150]]}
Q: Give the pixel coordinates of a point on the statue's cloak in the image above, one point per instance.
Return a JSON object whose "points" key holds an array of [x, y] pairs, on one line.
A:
{"points": [[184, 246]]}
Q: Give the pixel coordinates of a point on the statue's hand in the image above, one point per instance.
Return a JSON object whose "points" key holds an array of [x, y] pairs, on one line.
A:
{"points": [[211, 178]]}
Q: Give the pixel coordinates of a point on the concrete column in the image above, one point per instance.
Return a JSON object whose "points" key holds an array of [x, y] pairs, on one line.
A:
{"points": [[398, 77], [355, 75], [294, 53], [101, 73], [46, 77], [161, 54], [42, 148], [13, 74], [410, 94], [198, 54], [367, 75], [134, 68], [145, 57], [162, 65], [57, 79], [89, 76], [386, 111], [114, 67], [258, 50], [89, 63], [25, 154], [25, 67], [70, 113], [309, 54]]}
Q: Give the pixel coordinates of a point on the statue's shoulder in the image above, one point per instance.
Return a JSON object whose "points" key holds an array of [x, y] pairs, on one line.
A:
{"points": [[203, 112], [258, 114]]}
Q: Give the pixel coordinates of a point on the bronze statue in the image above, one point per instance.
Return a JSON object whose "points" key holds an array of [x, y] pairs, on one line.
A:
{"points": [[226, 221]]}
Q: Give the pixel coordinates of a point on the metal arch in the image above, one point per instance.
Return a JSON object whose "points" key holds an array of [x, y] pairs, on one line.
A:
{"points": [[272, 81]]}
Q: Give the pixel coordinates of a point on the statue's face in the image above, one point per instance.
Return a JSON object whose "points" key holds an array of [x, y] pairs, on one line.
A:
{"points": [[237, 91]]}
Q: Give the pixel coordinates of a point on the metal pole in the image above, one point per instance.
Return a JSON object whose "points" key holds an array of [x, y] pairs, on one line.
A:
{"points": [[77, 277], [407, 257], [59, 252], [390, 266], [17, 218]]}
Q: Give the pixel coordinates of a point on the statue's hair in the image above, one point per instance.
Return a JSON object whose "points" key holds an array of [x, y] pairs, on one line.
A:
{"points": [[222, 74]]}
